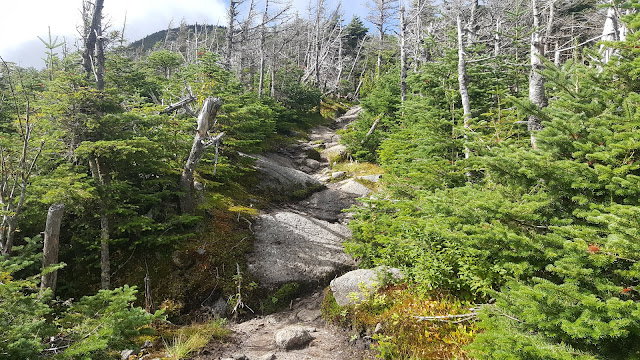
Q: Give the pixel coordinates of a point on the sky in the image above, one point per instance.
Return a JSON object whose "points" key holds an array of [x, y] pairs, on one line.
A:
{"points": [[22, 21]]}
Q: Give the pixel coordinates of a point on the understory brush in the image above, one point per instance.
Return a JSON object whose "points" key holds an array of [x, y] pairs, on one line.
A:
{"points": [[392, 318]]}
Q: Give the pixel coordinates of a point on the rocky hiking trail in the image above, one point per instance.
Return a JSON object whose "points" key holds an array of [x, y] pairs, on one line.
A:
{"points": [[300, 242]]}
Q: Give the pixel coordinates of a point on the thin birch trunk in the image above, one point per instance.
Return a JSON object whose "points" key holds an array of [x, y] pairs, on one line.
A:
{"points": [[536, 79], [462, 81], [403, 56]]}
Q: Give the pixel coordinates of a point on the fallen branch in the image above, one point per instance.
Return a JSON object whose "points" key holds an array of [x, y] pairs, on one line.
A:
{"points": [[182, 102]]}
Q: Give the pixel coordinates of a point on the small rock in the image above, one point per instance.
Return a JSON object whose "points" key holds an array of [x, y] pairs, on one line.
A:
{"points": [[147, 344], [240, 357], [293, 337], [311, 163], [333, 152], [353, 187], [371, 178], [378, 328], [338, 174], [124, 354], [219, 308]]}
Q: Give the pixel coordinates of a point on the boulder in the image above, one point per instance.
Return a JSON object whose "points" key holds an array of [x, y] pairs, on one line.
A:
{"points": [[293, 247], [353, 187], [354, 286], [278, 174], [371, 178], [326, 205], [338, 174], [314, 164], [334, 152], [292, 337]]}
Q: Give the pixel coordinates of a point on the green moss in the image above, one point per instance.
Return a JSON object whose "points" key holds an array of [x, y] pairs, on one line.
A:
{"points": [[281, 298]]}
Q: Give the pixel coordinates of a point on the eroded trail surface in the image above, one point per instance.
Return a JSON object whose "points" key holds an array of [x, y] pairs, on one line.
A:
{"points": [[300, 242]]}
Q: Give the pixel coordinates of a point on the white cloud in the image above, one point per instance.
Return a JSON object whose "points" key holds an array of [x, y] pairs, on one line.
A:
{"points": [[22, 21]]}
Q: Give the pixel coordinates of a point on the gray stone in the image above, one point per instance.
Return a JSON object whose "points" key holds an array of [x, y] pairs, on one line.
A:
{"points": [[371, 178], [124, 354], [334, 152], [278, 174], [338, 174], [354, 286], [326, 205], [292, 247], [293, 337], [353, 187], [314, 164], [219, 308]]}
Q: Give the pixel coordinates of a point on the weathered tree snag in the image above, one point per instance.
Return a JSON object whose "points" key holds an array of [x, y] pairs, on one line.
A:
{"points": [[233, 12], [93, 55], [403, 56], [536, 80], [201, 142], [51, 246], [263, 36], [462, 81], [610, 32]]}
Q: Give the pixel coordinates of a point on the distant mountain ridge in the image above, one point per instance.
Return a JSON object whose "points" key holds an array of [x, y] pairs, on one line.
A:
{"points": [[149, 41]]}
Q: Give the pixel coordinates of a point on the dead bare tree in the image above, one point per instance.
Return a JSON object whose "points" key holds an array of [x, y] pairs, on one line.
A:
{"points": [[201, 142], [536, 79], [380, 15], [51, 246]]}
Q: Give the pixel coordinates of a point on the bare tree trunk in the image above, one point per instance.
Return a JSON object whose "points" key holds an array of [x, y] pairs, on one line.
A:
{"points": [[549, 29], [93, 55], [496, 37], [610, 32], [340, 60], [462, 80], [262, 48], [318, 42], [403, 57], [471, 26], [201, 142], [51, 246], [536, 80], [233, 12]]}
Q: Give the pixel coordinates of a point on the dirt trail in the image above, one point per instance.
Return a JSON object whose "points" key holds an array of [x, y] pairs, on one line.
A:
{"points": [[255, 339]]}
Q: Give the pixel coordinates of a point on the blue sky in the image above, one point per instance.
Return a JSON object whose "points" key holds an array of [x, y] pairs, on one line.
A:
{"points": [[22, 21]]}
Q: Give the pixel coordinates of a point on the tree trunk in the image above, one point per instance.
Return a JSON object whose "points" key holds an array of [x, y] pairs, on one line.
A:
{"points": [[471, 26], [262, 48], [101, 175], [201, 142], [51, 246], [462, 81], [536, 80], [230, 28], [610, 32], [403, 57], [93, 55]]}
